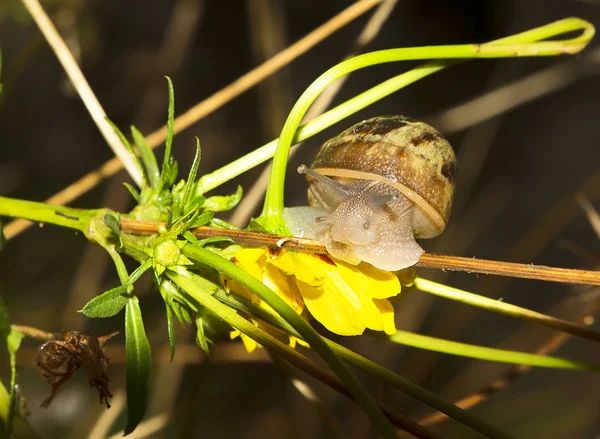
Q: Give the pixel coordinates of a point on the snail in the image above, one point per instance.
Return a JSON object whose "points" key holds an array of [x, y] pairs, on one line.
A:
{"points": [[376, 187]]}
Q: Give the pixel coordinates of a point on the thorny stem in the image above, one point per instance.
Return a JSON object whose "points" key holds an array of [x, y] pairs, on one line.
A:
{"points": [[442, 262]]}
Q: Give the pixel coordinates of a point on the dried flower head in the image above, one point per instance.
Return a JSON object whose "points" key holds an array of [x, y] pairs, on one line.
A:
{"points": [[58, 359]]}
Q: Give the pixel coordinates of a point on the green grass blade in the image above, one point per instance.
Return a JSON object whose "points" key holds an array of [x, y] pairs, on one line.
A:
{"points": [[148, 157], [485, 353]]}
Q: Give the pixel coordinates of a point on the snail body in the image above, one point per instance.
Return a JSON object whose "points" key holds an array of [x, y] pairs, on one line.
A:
{"points": [[376, 187]]}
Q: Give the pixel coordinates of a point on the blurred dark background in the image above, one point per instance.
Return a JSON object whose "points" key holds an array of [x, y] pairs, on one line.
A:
{"points": [[519, 172]]}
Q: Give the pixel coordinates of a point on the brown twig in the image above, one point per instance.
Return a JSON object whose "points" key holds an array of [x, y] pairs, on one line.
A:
{"points": [[443, 262], [86, 94], [29, 331]]}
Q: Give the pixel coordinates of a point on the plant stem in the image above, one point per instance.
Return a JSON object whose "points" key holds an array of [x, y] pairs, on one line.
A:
{"points": [[513, 46], [232, 271], [83, 88], [231, 317], [442, 262], [78, 219], [380, 372], [499, 307]]}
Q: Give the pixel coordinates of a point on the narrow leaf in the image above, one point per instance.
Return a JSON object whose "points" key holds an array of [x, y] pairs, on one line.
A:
{"points": [[170, 124], [222, 224], [189, 184], [220, 203], [136, 159], [107, 304], [112, 223], [201, 220], [201, 339], [112, 301], [170, 330], [133, 191], [213, 240], [148, 157], [165, 296], [138, 360]]}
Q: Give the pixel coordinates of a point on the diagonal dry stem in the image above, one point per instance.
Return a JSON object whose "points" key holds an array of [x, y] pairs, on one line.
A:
{"points": [[217, 100], [83, 88]]}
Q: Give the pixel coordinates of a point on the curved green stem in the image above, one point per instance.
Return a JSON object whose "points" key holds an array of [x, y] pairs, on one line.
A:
{"points": [[513, 46]]}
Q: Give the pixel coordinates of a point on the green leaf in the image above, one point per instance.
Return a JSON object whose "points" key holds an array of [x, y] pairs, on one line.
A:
{"points": [[112, 301], [13, 341], [201, 339], [148, 157], [170, 330], [201, 220], [112, 223], [213, 240], [255, 226], [165, 296], [220, 203], [222, 224], [169, 167], [107, 304], [136, 159], [189, 184], [180, 304], [133, 191], [138, 361]]}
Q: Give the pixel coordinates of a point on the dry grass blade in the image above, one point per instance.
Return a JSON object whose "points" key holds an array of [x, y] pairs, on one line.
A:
{"points": [[242, 84], [443, 262], [83, 88]]}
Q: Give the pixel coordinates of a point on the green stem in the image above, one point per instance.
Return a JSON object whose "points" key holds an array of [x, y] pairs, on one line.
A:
{"points": [[188, 284], [504, 308], [78, 219], [306, 331], [380, 372], [507, 47]]}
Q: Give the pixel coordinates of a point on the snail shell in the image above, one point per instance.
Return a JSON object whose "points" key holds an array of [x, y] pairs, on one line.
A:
{"points": [[374, 188]]}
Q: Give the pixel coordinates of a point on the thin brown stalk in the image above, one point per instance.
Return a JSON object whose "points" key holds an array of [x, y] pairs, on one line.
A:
{"points": [[88, 97], [442, 262], [217, 100], [35, 333]]}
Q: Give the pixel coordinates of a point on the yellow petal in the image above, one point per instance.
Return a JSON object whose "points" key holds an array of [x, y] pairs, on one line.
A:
{"points": [[387, 314], [284, 286], [249, 343], [340, 305], [377, 283], [249, 254]]}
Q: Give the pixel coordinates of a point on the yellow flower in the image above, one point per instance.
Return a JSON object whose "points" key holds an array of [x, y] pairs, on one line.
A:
{"points": [[254, 262], [344, 298]]}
